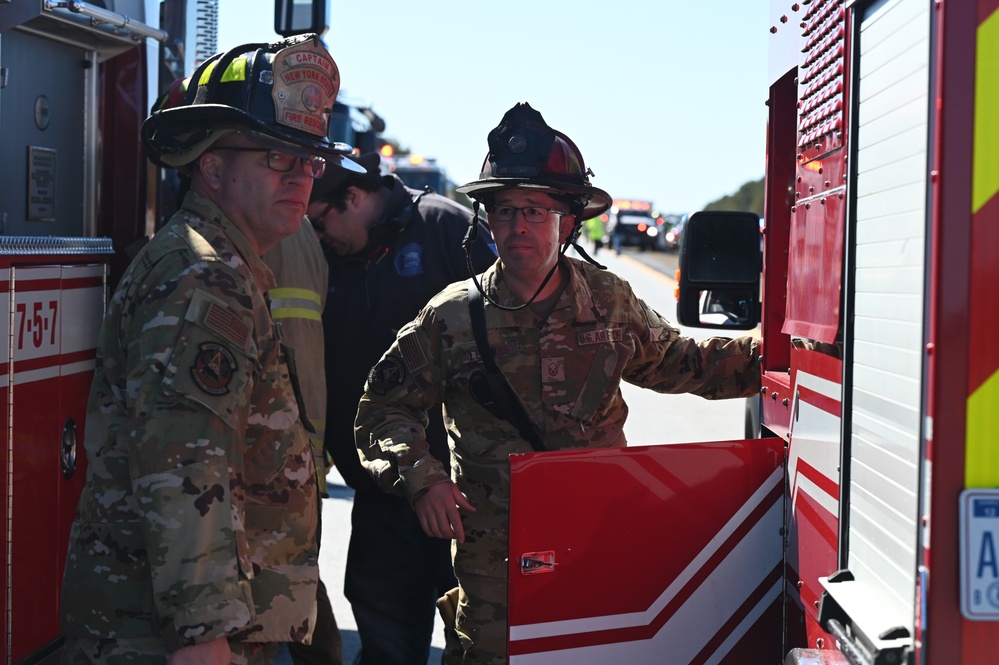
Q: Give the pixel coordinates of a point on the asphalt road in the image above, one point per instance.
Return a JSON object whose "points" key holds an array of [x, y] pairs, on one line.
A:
{"points": [[662, 262]]}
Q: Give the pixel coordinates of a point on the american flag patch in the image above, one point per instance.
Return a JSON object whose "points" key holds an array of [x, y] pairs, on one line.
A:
{"points": [[412, 353], [221, 320]]}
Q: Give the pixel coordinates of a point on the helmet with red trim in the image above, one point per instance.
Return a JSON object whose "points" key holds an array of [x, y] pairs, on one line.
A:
{"points": [[525, 152], [279, 94]]}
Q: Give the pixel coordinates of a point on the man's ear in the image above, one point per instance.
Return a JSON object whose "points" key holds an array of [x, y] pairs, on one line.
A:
{"points": [[352, 197], [566, 224], [212, 167]]}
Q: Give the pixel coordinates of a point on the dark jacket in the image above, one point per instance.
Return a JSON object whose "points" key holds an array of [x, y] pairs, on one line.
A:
{"points": [[410, 257]]}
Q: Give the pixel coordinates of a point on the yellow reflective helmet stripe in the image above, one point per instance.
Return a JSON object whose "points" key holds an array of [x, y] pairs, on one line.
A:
{"points": [[236, 71]]}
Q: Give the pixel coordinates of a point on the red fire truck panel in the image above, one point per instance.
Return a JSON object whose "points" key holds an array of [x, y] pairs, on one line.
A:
{"points": [[54, 303], [624, 555]]}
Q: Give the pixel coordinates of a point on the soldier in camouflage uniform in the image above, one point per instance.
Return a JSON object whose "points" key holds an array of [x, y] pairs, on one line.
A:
{"points": [[195, 536], [563, 333]]}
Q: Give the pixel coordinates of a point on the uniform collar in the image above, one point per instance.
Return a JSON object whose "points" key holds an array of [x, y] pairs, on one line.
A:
{"points": [[577, 294], [207, 210]]}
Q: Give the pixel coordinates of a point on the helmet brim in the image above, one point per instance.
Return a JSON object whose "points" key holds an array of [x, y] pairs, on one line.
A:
{"points": [[171, 130], [597, 200], [339, 158]]}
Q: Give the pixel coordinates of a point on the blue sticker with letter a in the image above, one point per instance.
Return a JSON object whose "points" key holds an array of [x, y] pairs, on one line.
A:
{"points": [[409, 261]]}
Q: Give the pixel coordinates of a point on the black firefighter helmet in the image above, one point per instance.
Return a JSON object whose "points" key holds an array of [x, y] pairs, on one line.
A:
{"points": [[525, 152], [281, 94]]}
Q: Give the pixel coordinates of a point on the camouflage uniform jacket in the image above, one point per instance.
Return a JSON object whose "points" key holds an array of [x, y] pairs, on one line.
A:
{"points": [[567, 372], [199, 515]]}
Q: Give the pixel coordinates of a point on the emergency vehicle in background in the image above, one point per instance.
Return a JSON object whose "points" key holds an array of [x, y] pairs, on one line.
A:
{"points": [[862, 526], [636, 222], [76, 81], [357, 126], [419, 172]]}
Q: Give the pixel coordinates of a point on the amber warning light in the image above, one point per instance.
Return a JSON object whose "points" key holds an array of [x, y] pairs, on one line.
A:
{"points": [[632, 204]]}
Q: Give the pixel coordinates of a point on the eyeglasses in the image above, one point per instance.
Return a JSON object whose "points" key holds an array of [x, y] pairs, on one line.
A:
{"points": [[319, 221], [532, 214], [313, 165]]}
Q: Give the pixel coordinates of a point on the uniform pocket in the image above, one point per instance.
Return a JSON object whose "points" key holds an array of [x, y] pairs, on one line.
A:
{"points": [[603, 370]]}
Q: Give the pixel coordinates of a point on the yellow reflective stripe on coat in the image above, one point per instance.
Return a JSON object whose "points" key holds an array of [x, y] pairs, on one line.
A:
{"points": [[290, 303]]}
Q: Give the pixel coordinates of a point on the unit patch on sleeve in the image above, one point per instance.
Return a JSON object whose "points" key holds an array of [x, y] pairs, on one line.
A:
{"points": [[599, 336], [214, 368], [387, 374]]}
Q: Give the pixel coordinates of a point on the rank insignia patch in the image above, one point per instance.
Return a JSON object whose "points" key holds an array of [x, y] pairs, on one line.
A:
{"points": [[387, 374], [553, 369], [213, 368]]}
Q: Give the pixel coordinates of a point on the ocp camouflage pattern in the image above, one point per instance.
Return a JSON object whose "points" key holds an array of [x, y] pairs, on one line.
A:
{"points": [[566, 371], [199, 515]]}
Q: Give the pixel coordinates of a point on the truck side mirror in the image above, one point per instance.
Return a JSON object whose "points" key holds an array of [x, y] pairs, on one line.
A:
{"points": [[719, 283], [296, 17]]}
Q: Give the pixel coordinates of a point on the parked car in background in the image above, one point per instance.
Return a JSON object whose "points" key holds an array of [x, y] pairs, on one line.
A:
{"points": [[671, 239], [635, 223]]}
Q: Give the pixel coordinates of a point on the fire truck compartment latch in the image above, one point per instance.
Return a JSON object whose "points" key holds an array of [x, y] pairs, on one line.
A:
{"points": [[535, 563]]}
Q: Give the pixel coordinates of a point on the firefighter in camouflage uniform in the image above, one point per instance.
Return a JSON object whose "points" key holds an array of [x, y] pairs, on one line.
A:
{"points": [[195, 537], [562, 335]]}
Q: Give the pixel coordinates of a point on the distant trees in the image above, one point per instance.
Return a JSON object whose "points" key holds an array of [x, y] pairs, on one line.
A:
{"points": [[749, 198]]}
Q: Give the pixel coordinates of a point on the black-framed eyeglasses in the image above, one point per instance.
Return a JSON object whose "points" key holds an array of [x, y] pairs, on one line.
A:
{"points": [[313, 165], [532, 214], [319, 221]]}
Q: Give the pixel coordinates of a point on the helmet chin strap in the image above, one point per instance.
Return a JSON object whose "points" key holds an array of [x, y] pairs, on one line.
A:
{"points": [[472, 234], [573, 240]]}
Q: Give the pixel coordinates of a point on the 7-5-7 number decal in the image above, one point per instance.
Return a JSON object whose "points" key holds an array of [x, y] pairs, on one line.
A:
{"points": [[33, 328]]}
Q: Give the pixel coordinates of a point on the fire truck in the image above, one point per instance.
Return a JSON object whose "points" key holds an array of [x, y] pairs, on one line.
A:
{"points": [[73, 92], [419, 172], [76, 81], [862, 525], [636, 222]]}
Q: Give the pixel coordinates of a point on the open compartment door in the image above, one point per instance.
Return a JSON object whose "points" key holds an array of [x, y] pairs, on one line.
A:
{"points": [[667, 553]]}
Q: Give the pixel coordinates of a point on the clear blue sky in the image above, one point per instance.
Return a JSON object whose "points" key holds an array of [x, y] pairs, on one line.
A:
{"points": [[665, 98]]}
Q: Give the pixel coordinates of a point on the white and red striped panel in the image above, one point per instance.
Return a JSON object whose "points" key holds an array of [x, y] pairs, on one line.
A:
{"points": [[663, 554], [52, 312], [52, 319], [813, 487]]}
